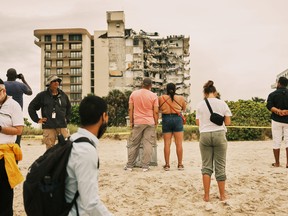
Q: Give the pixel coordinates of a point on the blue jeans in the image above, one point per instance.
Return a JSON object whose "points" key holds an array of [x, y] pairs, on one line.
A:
{"points": [[213, 148]]}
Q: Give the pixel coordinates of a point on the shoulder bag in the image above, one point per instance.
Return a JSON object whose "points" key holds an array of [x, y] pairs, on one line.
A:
{"points": [[215, 117]]}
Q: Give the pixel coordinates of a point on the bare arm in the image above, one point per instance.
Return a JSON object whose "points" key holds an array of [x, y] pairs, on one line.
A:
{"points": [[13, 130], [227, 120], [131, 109], [156, 114], [29, 92]]}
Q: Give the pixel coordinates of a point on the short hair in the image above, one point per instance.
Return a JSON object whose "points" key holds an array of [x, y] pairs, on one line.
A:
{"points": [[91, 109], [283, 81], [11, 74]]}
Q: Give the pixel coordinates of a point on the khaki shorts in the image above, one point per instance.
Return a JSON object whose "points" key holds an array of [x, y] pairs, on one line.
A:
{"points": [[50, 136]]}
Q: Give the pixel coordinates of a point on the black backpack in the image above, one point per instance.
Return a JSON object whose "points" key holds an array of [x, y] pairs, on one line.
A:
{"points": [[44, 187]]}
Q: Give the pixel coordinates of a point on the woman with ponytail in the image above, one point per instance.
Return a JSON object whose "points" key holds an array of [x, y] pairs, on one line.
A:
{"points": [[212, 142], [170, 106]]}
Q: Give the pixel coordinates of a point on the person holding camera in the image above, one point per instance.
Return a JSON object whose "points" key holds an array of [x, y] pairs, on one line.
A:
{"points": [[16, 90], [212, 141]]}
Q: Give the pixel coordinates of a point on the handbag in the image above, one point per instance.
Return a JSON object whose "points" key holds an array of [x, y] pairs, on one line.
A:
{"points": [[214, 117], [178, 113]]}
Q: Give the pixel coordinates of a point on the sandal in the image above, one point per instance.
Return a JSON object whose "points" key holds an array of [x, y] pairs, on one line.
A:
{"points": [[166, 167], [180, 167]]}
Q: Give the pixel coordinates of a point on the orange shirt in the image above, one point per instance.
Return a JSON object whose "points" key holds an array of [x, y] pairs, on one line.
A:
{"points": [[143, 101]]}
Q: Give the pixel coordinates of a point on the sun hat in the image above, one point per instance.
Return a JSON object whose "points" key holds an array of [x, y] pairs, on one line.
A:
{"points": [[52, 78]]}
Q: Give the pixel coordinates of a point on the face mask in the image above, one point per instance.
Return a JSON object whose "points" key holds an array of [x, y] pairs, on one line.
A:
{"points": [[102, 130]]}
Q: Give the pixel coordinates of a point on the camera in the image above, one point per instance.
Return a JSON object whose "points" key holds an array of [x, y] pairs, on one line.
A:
{"points": [[19, 76]]}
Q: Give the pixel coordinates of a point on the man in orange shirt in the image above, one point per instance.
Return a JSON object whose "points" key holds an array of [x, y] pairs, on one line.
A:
{"points": [[143, 114]]}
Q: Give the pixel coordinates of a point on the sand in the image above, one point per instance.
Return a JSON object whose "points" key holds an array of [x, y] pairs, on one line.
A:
{"points": [[253, 186]]}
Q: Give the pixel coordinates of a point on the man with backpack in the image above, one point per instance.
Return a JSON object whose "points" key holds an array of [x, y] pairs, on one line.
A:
{"points": [[83, 163]]}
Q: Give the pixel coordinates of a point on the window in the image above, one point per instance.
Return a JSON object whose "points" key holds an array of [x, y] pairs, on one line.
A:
{"points": [[76, 71], [59, 71], [48, 46], [136, 42], [76, 54], [76, 80], [59, 54], [59, 38], [75, 46], [75, 63], [47, 37], [47, 71], [59, 46], [59, 63], [48, 63], [75, 88], [75, 37], [75, 96], [47, 54]]}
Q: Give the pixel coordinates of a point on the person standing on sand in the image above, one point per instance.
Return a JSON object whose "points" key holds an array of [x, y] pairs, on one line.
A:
{"points": [[11, 125], [55, 111], [143, 114], [83, 163], [212, 142], [17, 89], [277, 103], [172, 123]]}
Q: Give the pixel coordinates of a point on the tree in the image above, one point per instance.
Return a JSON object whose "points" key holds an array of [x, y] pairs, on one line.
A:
{"points": [[117, 107], [257, 99]]}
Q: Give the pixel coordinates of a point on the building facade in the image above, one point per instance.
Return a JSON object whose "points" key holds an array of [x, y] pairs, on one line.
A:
{"points": [[116, 58], [284, 74]]}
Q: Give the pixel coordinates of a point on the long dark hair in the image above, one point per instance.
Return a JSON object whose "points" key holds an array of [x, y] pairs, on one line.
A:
{"points": [[209, 87], [171, 90]]}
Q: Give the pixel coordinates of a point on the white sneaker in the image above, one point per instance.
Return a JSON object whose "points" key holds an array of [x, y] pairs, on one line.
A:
{"points": [[128, 168], [145, 169]]}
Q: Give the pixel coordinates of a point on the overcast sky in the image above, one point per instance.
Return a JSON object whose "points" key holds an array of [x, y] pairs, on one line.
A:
{"points": [[239, 44]]}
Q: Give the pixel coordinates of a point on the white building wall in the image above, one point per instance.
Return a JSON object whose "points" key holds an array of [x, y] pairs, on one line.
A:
{"points": [[86, 65], [101, 68]]}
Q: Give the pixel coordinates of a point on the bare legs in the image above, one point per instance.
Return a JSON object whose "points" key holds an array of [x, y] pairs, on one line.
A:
{"points": [[221, 187], [206, 184], [276, 153], [178, 136]]}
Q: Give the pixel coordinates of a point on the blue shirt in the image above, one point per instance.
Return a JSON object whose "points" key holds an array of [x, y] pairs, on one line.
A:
{"points": [[16, 90]]}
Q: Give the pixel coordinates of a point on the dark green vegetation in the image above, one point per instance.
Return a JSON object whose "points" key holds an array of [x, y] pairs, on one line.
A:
{"points": [[250, 120]]}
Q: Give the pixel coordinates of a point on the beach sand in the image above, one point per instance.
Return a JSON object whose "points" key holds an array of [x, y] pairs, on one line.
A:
{"points": [[253, 186]]}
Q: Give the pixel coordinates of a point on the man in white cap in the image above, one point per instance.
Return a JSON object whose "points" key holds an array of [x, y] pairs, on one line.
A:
{"points": [[55, 111]]}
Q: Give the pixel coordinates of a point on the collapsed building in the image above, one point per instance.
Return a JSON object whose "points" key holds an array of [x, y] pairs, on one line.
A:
{"points": [[116, 58]]}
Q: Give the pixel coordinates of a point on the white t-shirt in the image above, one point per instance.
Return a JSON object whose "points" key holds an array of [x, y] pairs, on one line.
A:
{"points": [[10, 115], [203, 114]]}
